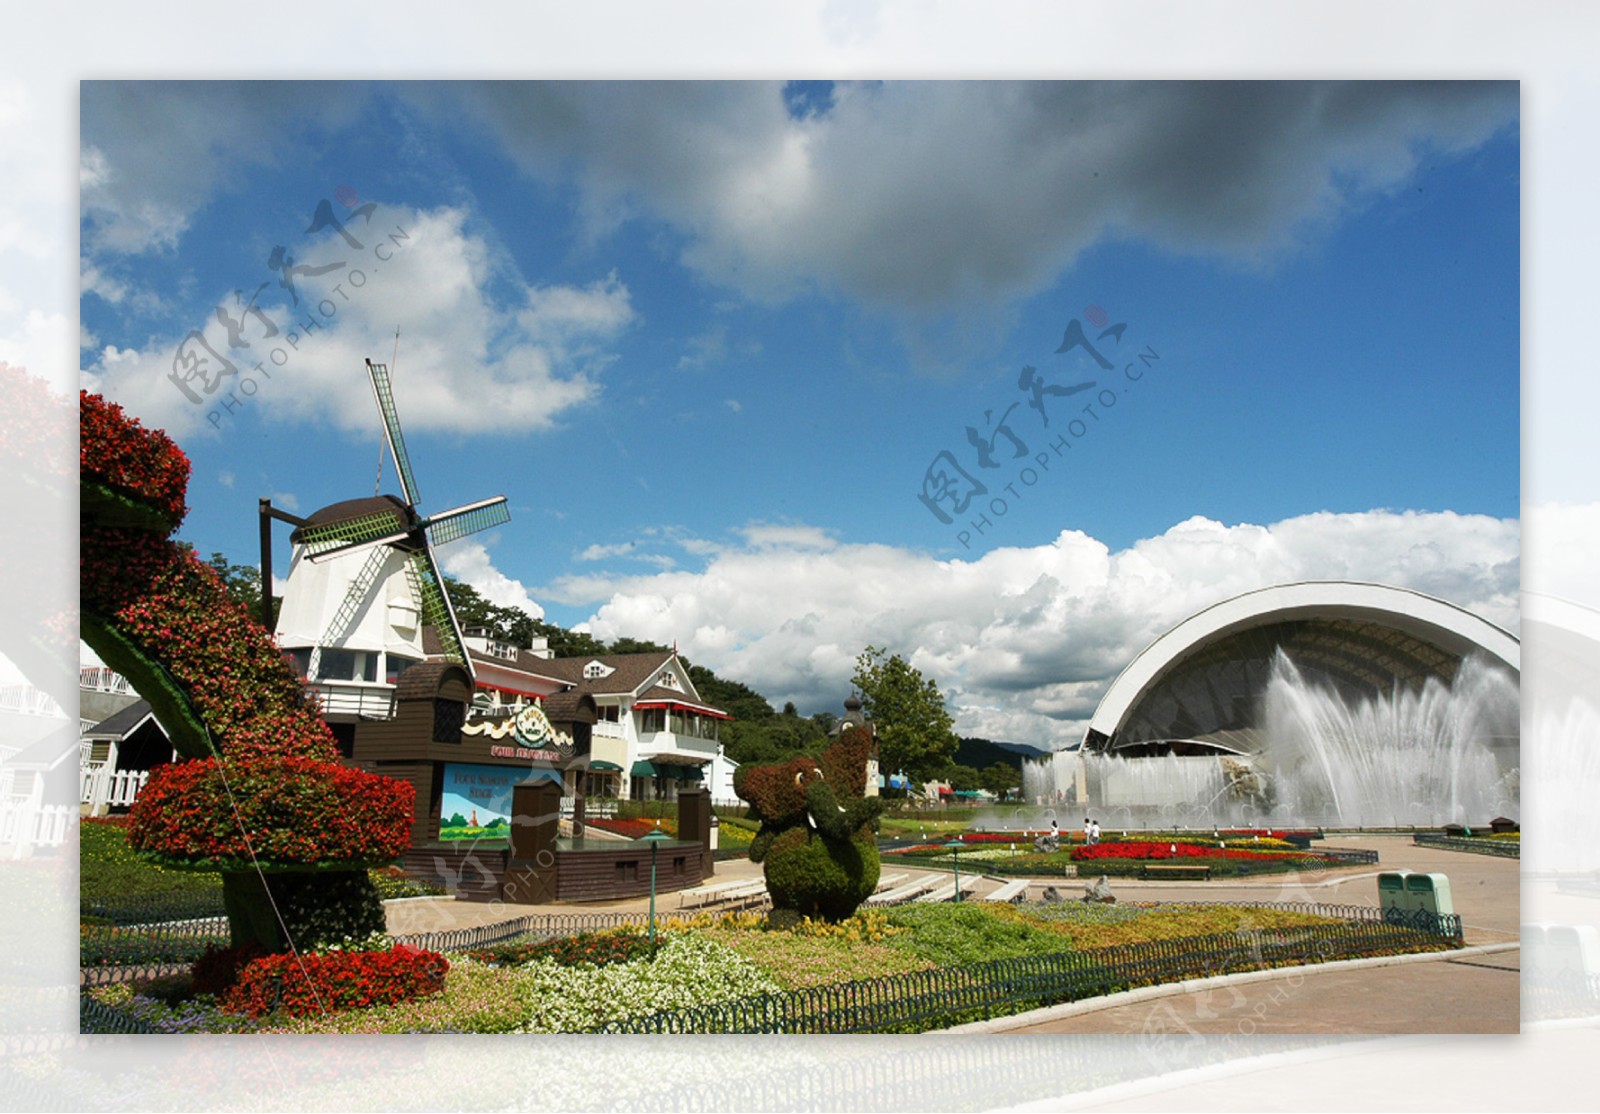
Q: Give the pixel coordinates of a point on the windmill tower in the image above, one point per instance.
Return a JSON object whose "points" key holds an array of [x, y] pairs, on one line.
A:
{"points": [[363, 582]]}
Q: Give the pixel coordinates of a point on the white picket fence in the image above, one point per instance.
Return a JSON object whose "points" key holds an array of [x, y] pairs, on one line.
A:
{"points": [[102, 788], [25, 825]]}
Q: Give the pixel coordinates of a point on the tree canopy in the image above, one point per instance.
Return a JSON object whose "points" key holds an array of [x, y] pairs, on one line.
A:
{"points": [[915, 732]]}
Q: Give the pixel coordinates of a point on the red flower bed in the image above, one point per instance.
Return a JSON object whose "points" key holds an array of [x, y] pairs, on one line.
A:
{"points": [[1001, 837], [288, 811], [592, 949], [1145, 849], [634, 829], [305, 984], [115, 450]]}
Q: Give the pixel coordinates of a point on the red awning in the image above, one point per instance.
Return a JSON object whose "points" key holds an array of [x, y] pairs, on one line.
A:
{"points": [[696, 708]]}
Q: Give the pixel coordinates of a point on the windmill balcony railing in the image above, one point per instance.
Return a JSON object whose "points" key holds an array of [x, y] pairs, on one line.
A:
{"points": [[365, 701], [98, 678], [28, 701]]}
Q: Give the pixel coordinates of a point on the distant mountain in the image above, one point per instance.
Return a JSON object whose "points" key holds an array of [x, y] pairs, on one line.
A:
{"points": [[982, 753]]}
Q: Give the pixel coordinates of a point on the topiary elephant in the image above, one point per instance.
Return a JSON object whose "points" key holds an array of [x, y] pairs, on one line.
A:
{"points": [[818, 838]]}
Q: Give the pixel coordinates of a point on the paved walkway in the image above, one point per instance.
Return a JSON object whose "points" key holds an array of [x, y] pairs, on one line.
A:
{"points": [[1477, 993]]}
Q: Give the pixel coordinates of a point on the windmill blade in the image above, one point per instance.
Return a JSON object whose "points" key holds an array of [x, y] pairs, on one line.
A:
{"points": [[355, 595], [384, 393], [350, 547], [447, 526], [434, 603], [325, 536]]}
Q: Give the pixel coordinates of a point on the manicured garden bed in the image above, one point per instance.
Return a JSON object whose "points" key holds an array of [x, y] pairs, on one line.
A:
{"points": [[923, 965], [1224, 854]]}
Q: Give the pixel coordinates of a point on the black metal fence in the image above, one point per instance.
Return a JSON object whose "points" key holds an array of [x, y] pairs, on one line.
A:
{"points": [[1349, 856], [922, 1000], [143, 944], [97, 1017], [1501, 848], [538, 927]]}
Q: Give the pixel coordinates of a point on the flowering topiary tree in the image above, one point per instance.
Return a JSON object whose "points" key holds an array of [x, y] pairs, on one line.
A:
{"points": [[257, 793], [817, 839]]}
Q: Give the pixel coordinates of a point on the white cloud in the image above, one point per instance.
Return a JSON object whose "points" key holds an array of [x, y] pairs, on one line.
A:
{"points": [[1022, 641], [287, 500], [467, 364], [469, 562]]}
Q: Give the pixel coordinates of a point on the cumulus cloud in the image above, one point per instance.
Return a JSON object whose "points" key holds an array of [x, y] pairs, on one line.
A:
{"points": [[928, 196], [1022, 641], [469, 562], [423, 272]]}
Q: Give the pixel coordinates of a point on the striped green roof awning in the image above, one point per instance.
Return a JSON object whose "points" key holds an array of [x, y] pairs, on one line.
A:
{"points": [[643, 768], [602, 766]]}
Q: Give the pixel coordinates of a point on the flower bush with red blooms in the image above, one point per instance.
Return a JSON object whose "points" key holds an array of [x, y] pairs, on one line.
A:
{"points": [[115, 450], [297, 805], [304, 984], [1147, 849], [634, 829], [281, 810], [175, 608]]}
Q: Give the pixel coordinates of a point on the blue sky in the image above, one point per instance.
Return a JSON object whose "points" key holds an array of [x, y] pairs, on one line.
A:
{"points": [[708, 339]]}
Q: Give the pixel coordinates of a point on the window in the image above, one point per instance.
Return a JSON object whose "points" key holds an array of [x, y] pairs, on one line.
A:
{"points": [[651, 720], [347, 665], [394, 665]]}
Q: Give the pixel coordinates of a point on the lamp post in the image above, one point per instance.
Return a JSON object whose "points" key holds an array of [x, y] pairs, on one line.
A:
{"points": [[655, 839], [954, 847]]}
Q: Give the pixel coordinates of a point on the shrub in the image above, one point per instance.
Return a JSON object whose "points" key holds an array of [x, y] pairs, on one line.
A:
{"points": [[216, 971], [117, 452], [304, 984], [594, 949]]}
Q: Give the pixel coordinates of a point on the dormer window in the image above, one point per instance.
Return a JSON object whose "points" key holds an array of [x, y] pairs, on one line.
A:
{"points": [[669, 680], [596, 670]]}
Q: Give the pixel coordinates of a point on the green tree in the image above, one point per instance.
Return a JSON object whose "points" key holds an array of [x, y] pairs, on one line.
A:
{"points": [[915, 733], [637, 646], [963, 779], [1000, 778]]}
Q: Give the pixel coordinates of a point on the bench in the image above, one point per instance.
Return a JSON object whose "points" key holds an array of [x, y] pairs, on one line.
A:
{"points": [[709, 895], [909, 890], [1177, 870], [947, 891], [887, 880], [1013, 890]]}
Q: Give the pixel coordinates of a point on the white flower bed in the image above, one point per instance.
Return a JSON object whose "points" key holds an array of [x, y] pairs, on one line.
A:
{"points": [[686, 971]]}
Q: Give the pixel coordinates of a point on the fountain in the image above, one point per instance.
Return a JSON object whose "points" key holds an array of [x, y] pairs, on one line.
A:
{"points": [[1423, 756], [1440, 754]]}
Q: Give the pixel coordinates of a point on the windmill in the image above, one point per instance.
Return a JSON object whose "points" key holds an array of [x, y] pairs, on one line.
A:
{"points": [[351, 554]]}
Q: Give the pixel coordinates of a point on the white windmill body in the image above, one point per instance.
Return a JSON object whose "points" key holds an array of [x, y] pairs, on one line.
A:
{"points": [[363, 583]]}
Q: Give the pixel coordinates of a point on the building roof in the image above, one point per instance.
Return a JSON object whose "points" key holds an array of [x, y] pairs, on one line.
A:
{"points": [[628, 672], [122, 723], [525, 661], [1200, 679]]}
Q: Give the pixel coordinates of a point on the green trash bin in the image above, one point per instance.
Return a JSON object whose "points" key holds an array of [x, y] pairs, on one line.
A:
{"points": [[1430, 893], [1392, 895]]}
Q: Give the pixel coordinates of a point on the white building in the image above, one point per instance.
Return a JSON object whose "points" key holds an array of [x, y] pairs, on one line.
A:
{"points": [[654, 732]]}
